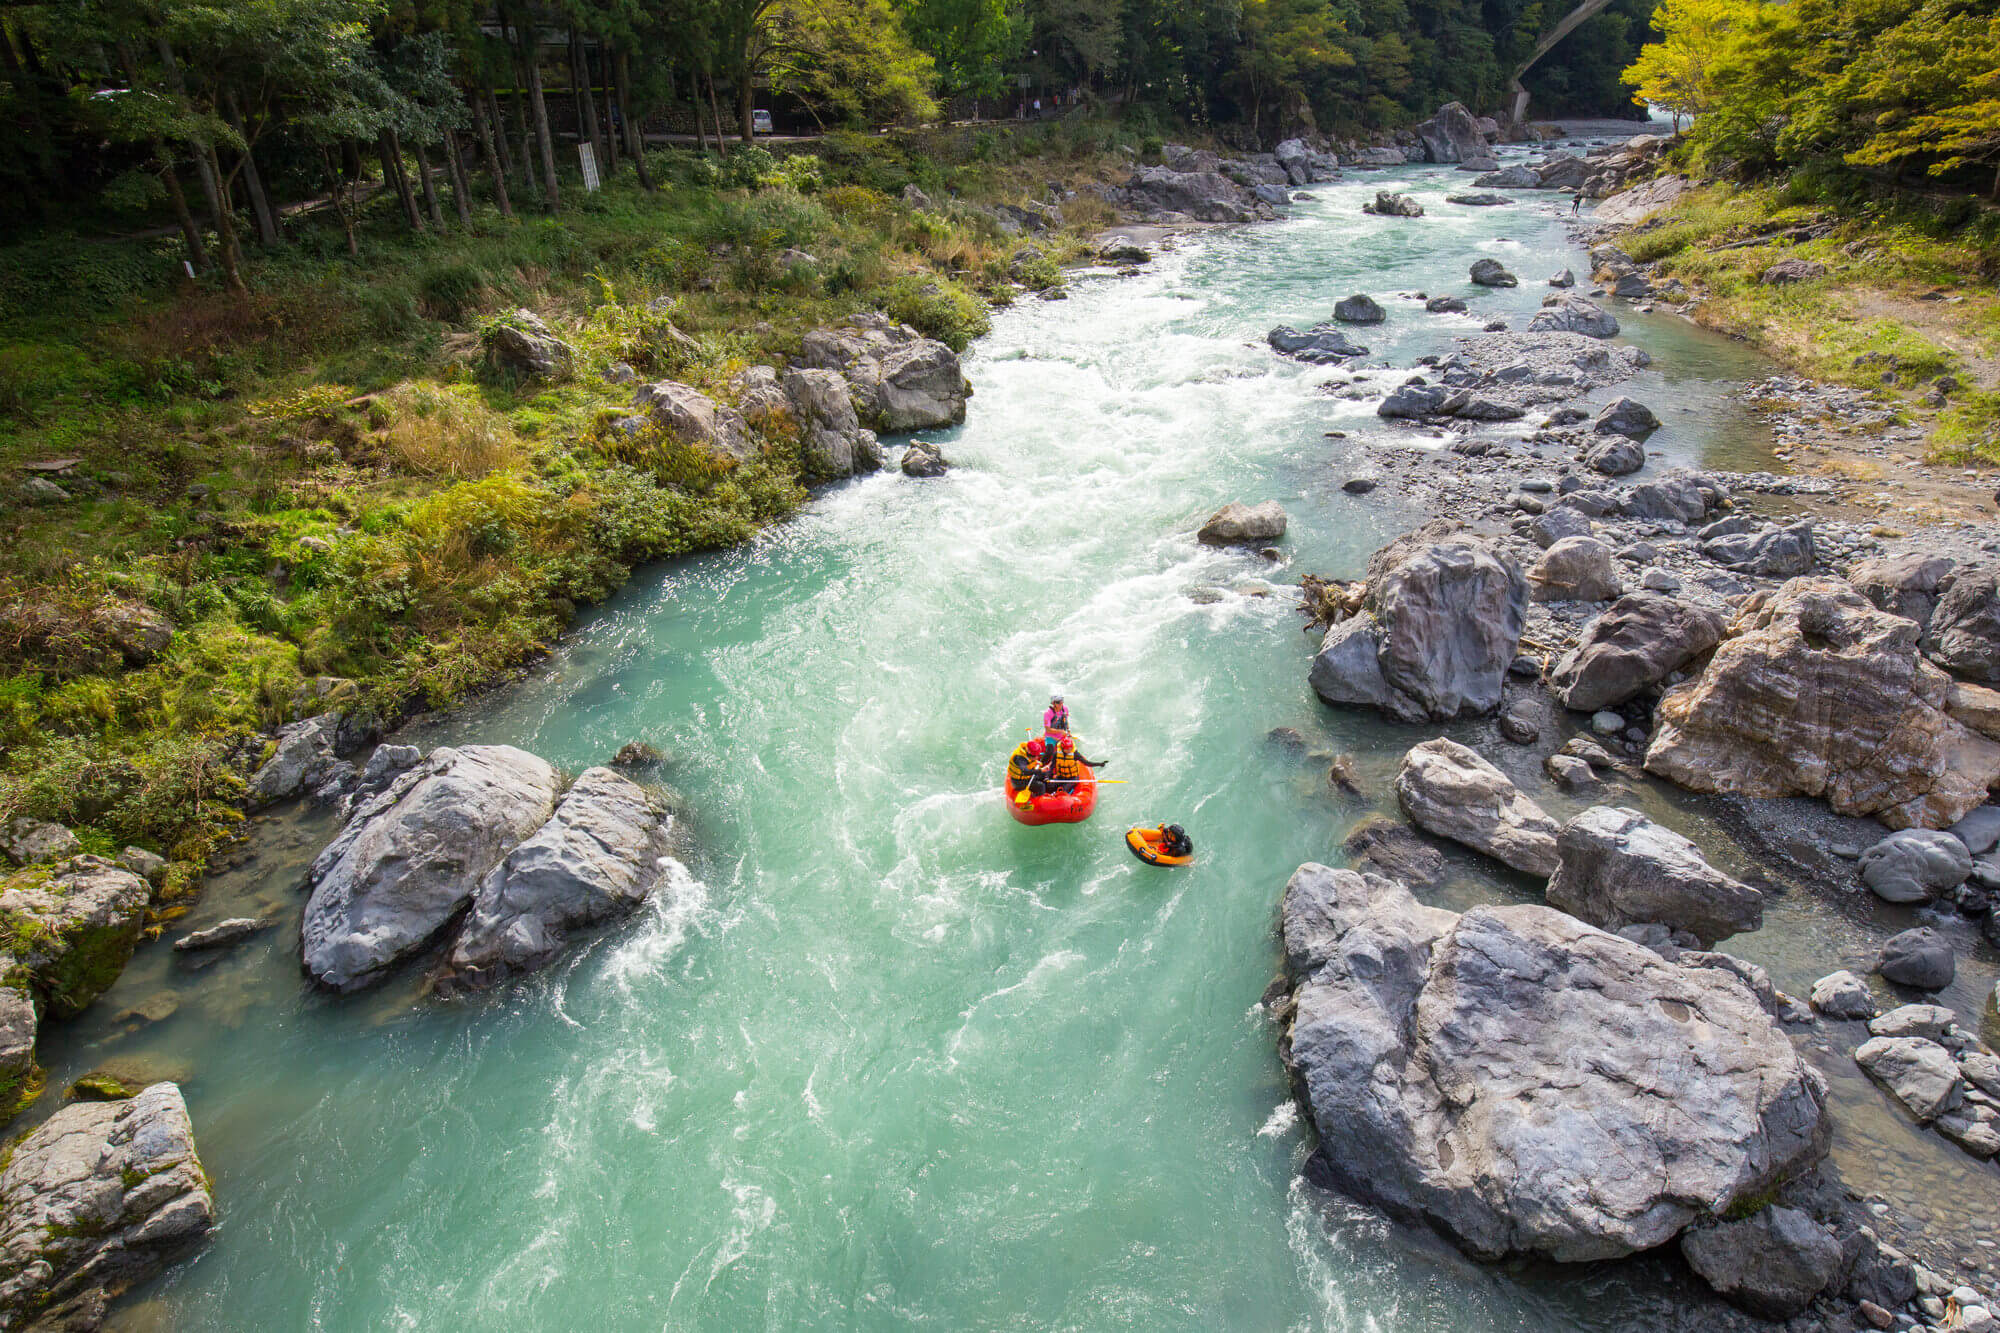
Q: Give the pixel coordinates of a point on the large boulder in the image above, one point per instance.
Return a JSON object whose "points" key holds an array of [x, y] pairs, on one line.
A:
{"points": [[1775, 553], [1626, 417], [72, 929], [1519, 177], [1391, 205], [1573, 314], [901, 380], [1638, 642], [1296, 159], [1964, 634], [1916, 1071], [1205, 196], [680, 412], [836, 443], [1617, 868], [599, 858], [1438, 626], [28, 841], [1452, 135], [1491, 273], [1359, 308], [1320, 345], [100, 1196], [1482, 1070], [1447, 789], [302, 758], [1575, 569], [1921, 958], [1771, 1263], [1904, 585], [522, 344], [1915, 866], [1635, 205], [1238, 524], [1817, 693], [18, 1083], [410, 859], [1563, 171]]}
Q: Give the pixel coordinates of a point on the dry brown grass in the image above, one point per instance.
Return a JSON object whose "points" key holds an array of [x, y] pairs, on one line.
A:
{"points": [[439, 430]]}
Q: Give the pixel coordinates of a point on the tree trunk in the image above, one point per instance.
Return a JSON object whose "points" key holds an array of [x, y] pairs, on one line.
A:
{"points": [[337, 189], [584, 99], [461, 195], [431, 209], [197, 252], [635, 139], [393, 177], [204, 170], [746, 98], [521, 124], [544, 142], [253, 183], [488, 109], [227, 241], [486, 149], [715, 110], [611, 113]]}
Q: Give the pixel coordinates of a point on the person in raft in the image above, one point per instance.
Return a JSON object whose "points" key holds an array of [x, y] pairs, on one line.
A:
{"points": [[1174, 840], [1028, 768], [1069, 764], [1057, 716]]}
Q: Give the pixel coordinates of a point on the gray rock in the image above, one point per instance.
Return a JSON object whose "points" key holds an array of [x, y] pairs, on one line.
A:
{"points": [[1843, 995], [1964, 633], [1447, 789], [1573, 314], [1921, 958], [1238, 524], [1440, 622], [1558, 524], [304, 758], [1452, 135], [148, 866], [410, 859], [1563, 279], [1915, 865], [99, 1197], [1982, 1070], [1390, 205], [1615, 868], [1778, 553], [1626, 417], [1519, 177], [1413, 401], [691, 417], [1918, 1073], [1359, 309], [221, 935], [1772, 1263], [41, 491], [1615, 458], [1656, 579], [1788, 271], [1575, 569], [1445, 305], [74, 930], [1638, 642], [28, 841], [1676, 497], [1563, 171], [923, 459], [1407, 1016], [1480, 200], [1929, 1021], [1518, 724], [386, 762], [1904, 585], [1322, 344], [17, 1050], [523, 344], [1491, 273], [1607, 723], [137, 631], [1980, 830], [900, 380], [598, 858]]}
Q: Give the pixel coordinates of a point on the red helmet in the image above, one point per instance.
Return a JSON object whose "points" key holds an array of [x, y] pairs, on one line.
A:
{"points": [[1066, 743], [1036, 747]]}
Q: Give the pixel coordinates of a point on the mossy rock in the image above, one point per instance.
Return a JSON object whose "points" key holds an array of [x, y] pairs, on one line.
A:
{"points": [[100, 1088]]}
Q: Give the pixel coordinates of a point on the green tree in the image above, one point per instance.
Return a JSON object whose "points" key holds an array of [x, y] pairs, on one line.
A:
{"points": [[1679, 72]]}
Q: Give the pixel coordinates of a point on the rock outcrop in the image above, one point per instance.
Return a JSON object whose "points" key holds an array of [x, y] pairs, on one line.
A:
{"points": [[1904, 585], [1964, 633], [1238, 524], [1205, 196], [303, 759], [598, 858], [1447, 789], [817, 405], [1638, 642], [73, 929], [100, 1196], [901, 380], [1816, 693], [1481, 1070], [1617, 868], [27, 841], [408, 861], [1573, 314], [680, 412], [522, 344], [1452, 135], [1438, 626], [19, 1083]]}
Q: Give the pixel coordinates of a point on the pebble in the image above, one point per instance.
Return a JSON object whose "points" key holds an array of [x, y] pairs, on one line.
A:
{"points": [[1658, 580], [1607, 723], [1538, 485]]}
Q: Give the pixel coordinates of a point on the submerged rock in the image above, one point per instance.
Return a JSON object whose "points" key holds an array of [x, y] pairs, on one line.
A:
{"points": [[1816, 693], [221, 935], [1439, 624], [99, 1197], [598, 858], [1617, 868], [1440, 1059], [409, 860], [1447, 789]]}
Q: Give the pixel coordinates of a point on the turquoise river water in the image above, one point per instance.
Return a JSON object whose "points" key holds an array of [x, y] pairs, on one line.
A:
{"points": [[882, 1058]]}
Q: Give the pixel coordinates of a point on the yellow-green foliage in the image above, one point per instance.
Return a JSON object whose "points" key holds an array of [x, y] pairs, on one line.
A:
{"points": [[445, 430]]}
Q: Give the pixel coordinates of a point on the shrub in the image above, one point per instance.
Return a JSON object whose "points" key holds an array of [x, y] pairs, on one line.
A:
{"points": [[937, 308]]}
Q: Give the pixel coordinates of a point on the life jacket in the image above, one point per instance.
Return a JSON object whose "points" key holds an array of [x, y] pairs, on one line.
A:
{"points": [[1068, 766], [1055, 719], [1021, 765]]}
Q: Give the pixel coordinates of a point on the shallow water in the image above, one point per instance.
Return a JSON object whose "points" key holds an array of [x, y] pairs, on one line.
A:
{"points": [[884, 1058]]}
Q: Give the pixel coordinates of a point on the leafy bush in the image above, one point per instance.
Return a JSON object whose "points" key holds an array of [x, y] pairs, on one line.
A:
{"points": [[938, 308]]}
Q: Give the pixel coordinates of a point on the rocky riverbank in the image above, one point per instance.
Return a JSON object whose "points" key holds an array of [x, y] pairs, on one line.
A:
{"points": [[1754, 636]]}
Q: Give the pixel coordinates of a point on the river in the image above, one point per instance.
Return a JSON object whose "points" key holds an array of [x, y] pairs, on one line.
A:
{"points": [[883, 1058]]}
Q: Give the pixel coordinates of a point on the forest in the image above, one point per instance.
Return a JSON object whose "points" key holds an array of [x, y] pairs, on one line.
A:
{"points": [[196, 115]]}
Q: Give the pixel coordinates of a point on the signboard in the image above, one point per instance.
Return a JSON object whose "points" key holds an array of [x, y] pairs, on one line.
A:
{"points": [[587, 151]]}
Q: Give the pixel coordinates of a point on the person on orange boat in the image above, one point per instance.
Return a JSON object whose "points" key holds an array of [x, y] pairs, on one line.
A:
{"points": [[1174, 840], [1028, 767], [1067, 771], [1057, 716]]}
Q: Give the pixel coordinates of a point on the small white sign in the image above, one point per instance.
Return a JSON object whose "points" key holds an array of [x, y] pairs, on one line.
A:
{"points": [[587, 151]]}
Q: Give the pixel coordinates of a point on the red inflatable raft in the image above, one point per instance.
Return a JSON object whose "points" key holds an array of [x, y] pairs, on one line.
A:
{"points": [[1056, 807]]}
